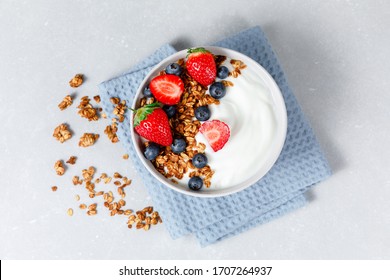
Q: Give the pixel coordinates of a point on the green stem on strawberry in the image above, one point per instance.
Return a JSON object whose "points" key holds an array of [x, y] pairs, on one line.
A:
{"points": [[142, 112], [196, 50]]}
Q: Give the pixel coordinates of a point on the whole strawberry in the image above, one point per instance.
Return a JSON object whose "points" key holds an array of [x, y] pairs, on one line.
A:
{"points": [[201, 66], [151, 122]]}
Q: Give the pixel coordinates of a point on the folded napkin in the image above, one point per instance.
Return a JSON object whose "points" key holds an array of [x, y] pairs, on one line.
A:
{"points": [[300, 165]]}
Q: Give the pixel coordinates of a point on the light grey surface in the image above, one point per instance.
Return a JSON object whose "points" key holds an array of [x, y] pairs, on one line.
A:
{"points": [[336, 58]]}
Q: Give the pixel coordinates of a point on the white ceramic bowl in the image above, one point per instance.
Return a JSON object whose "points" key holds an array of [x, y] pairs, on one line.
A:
{"points": [[272, 154]]}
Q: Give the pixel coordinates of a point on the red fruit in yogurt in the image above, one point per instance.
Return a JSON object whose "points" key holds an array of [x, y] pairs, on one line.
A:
{"points": [[201, 66], [217, 133]]}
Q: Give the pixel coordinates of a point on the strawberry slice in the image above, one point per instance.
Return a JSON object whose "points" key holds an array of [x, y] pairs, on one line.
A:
{"points": [[167, 88], [216, 132]]}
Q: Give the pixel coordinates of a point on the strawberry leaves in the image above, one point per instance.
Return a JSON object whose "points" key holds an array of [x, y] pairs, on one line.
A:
{"points": [[142, 113]]}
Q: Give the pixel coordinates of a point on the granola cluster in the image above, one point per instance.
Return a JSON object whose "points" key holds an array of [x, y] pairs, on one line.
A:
{"points": [[238, 65], [62, 133], [72, 160], [87, 110], [111, 131], [59, 167], [120, 108], [65, 103], [76, 81], [88, 139], [144, 218]]}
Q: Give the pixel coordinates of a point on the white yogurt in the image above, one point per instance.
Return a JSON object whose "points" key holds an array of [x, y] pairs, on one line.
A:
{"points": [[247, 110]]}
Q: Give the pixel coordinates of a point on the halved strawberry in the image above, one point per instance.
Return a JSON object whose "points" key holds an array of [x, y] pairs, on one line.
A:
{"points": [[167, 88], [151, 122], [216, 132], [201, 66]]}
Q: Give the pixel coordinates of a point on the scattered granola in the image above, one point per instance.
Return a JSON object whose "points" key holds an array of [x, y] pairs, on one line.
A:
{"points": [[99, 193], [144, 218], [88, 174], [59, 167], [76, 180], [92, 209], [114, 100], [97, 98], [88, 139], [117, 175], [120, 108], [87, 110], [65, 103], [70, 212], [71, 160], [91, 212], [111, 131], [62, 133], [76, 81]]}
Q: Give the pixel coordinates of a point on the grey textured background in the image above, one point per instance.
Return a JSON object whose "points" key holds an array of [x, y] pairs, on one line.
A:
{"points": [[335, 56]]}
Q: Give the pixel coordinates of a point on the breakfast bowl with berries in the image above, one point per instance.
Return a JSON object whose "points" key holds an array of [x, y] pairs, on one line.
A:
{"points": [[208, 122]]}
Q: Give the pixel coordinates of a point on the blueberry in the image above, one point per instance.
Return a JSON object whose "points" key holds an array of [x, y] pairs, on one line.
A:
{"points": [[199, 160], [222, 72], [152, 151], [202, 113], [195, 183], [174, 69], [147, 92], [178, 146], [217, 90], [170, 110]]}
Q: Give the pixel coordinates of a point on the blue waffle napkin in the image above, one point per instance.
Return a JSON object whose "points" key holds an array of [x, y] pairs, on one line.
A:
{"points": [[301, 163]]}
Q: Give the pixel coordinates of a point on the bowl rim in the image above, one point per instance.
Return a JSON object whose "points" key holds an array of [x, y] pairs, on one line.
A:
{"points": [[276, 147]]}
